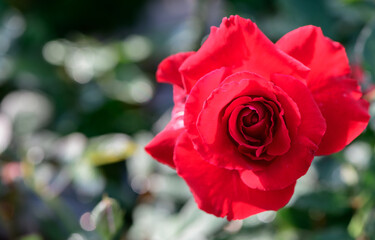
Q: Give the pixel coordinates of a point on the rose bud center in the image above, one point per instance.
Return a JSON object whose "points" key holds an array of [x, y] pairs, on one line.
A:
{"points": [[252, 125], [250, 119]]}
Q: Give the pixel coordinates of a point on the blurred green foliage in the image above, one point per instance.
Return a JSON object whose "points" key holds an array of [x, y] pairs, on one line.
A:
{"points": [[78, 97]]}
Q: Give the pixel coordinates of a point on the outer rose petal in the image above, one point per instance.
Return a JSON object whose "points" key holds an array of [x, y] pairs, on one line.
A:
{"points": [[198, 96], [221, 192], [162, 146], [337, 95], [345, 112], [287, 168], [168, 69], [313, 125], [240, 46]]}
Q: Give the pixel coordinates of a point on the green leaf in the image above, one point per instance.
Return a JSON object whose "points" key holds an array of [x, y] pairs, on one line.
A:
{"points": [[110, 148], [31, 237], [324, 201], [332, 233], [107, 217]]}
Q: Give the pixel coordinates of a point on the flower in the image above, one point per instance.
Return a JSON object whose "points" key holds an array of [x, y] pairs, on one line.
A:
{"points": [[250, 115]]}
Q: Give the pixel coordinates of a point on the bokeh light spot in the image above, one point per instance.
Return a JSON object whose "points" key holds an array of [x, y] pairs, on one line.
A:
{"points": [[86, 222]]}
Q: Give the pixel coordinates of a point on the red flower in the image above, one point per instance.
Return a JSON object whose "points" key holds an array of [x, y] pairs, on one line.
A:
{"points": [[250, 115]]}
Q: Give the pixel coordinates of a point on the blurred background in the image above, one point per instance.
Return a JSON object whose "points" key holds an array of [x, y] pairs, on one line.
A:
{"points": [[78, 102]]}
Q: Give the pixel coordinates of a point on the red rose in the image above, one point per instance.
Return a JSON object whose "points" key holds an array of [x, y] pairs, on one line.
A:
{"points": [[250, 115]]}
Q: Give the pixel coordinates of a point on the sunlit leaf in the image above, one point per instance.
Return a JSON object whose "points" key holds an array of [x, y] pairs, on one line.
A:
{"points": [[110, 148]]}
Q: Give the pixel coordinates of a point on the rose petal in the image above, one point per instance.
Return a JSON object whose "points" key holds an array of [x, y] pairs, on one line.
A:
{"points": [[197, 97], [179, 97], [162, 145], [337, 95], [282, 170], [272, 130], [233, 115], [258, 130], [345, 112], [168, 69], [233, 127], [280, 140], [287, 168], [221, 192], [239, 45], [214, 143], [212, 140], [323, 56]]}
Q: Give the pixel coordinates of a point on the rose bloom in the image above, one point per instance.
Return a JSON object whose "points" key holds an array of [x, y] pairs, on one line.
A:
{"points": [[250, 115]]}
